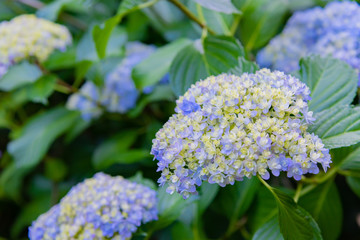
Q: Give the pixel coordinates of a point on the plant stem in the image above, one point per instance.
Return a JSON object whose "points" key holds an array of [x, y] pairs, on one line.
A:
{"points": [[298, 191], [190, 15], [202, 19], [235, 24], [63, 16]]}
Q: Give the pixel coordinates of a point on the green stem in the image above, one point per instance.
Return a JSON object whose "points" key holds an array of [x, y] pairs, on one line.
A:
{"points": [[190, 15], [235, 24], [298, 191], [202, 19]]}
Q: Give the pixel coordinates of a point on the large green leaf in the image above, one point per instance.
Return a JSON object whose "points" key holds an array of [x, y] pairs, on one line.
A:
{"points": [[216, 55], [324, 204], [295, 222], [338, 126], [236, 199], [19, 75], [332, 82], [224, 6], [61, 60], [260, 23], [244, 66], [354, 183], [101, 34], [117, 150], [169, 208], [153, 68], [269, 231], [40, 90], [38, 134]]}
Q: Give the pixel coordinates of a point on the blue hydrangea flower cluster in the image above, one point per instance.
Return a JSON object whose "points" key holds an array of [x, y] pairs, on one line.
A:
{"points": [[28, 36], [119, 93], [330, 31], [229, 127], [102, 207]]}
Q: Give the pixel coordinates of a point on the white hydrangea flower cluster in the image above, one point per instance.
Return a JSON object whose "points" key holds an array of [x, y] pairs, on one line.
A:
{"points": [[227, 127], [28, 36]]}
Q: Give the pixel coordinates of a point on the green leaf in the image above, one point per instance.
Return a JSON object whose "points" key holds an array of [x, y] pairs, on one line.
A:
{"points": [[169, 208], [61, 60], [38, 134], [116, 150], [19, 75], [332, 82], [347, 158], [181, 231], [236, 199], [101, 34], [153, 68], [138, 178], [195, 62], [269, 231], [51, 11], [224, 6], [295, 222], [40, 90], [259, 24], [324, 204], [160, 93], [354, 184], [244, 66], [338, 126], [207, 194], [55, 169]]}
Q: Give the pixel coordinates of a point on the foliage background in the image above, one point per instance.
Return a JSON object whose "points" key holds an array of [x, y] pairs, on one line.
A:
{"points": [[46, 149]]}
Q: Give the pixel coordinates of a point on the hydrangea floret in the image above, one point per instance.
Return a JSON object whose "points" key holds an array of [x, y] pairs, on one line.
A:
{"points": [[227, 127], [102, 207], [330, 31], [119, 93], [28, 36]]}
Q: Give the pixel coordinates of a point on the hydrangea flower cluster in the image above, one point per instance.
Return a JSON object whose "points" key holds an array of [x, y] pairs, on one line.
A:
{"points": [[28, 36], [102, 207], [119, 93], [333, 30], [227, 127]]}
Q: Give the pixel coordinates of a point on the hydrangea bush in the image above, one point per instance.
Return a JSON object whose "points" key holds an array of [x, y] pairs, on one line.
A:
{"points": [[100, 207], [332, 30], [153, 120]]}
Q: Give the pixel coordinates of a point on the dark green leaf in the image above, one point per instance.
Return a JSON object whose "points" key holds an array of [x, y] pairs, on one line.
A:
{"points": [[224, 6], [55, 169], [260, 24], [295, 222], [40, 90], [153, 68], [169, 208], [332, 82], [347, 158], [195, 62], [38, 134], [61, 60], [354, 183], [116, 150], [324, 204], [160, 93], [244, 66], [236, 199], [269, 231], [207, 194], [181, 231], [19, 75], [101, 34], [338, 126]]}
